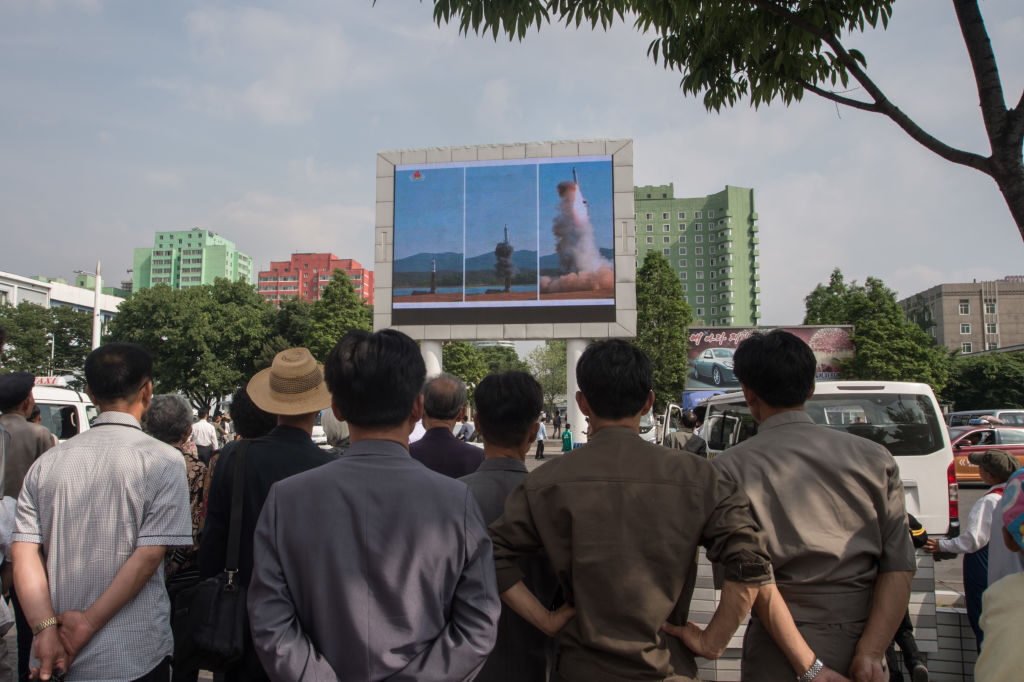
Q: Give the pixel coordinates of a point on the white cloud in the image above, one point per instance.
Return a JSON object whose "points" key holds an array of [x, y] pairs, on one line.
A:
{"points": [[261, 63], [270, 227]]}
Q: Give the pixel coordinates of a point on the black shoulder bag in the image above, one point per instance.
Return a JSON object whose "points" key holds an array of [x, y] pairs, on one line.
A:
{"points": [[210, 618]]}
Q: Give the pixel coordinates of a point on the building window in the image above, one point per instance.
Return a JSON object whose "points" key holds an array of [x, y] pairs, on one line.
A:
{"points": [[666, 227], [965, 327], [711, 214], [649, 215], [700, 299], [650, 228], [682, 239], [966, 347], [700, 274], [665, 252], [700, 312], [965, 307], [682, 250], [697, 214], [682, 275], [684, 284], [698, 250], [699, 262], [699, 238], [666, 240], [664, 216], [698, 226], [714, 310], [990, 307], [991, 345], [711, 237], [991, 328], [650, 240], [700, 286], [682, 215], [682, 262]]}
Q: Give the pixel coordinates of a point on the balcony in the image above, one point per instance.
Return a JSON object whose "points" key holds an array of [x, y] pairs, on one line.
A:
{"points": [[755, 240]]}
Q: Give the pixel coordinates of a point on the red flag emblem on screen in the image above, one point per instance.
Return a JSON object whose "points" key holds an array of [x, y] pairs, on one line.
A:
{"points": [[416, 175]]}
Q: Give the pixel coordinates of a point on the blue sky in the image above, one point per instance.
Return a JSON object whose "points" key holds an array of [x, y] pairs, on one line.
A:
{"points": [[261, 122], [428, 211], [496, 196]]}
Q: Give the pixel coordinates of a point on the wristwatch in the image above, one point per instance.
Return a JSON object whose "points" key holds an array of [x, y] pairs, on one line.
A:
{"points": [[812, 672], [48, 623]]}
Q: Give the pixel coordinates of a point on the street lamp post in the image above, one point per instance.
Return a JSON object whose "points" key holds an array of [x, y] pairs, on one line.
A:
{"points": [[50, 339], [95, 304]]}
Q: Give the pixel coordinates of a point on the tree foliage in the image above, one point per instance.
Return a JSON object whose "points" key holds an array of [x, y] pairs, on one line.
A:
{"points": [[663, 320], [548, 364], [204, 340], [465, 361], [980, 382], [502, 359], [28, 328], [887, 346], [769, 50], [338, 311]]}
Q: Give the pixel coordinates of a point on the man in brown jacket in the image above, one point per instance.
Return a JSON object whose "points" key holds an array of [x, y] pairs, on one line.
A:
{"points": [[621, 520]]}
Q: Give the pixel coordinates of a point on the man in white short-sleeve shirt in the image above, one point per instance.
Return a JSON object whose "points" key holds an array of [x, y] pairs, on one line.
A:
{"points": [[101, 510]]}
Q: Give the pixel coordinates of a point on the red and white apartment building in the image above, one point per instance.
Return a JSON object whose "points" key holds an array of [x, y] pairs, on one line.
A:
{"points": [[306, 275]]}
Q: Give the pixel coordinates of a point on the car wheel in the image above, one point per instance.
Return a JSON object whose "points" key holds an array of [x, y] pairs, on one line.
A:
{"points": [[716, 376]]}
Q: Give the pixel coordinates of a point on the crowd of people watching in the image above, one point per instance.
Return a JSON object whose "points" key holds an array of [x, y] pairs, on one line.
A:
{"points": [[403, 552]]}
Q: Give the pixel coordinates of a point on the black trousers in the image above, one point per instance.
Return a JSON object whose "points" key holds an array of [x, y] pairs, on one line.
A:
{"points": [[540, 449], [161, 673]]}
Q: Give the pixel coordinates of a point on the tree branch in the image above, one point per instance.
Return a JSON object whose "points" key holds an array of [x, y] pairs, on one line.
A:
{"points": [[983, 62], [854, 103], [884, 106]]}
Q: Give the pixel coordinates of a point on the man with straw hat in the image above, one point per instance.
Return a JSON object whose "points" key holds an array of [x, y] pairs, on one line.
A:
{"points": [[400, 584], [292, 388]]}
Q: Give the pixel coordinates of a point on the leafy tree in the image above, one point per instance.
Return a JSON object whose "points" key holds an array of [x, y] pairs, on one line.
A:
{"points": [[502, 359], [991, 380], [204, 340], [28, 327], [548, 364], [663, 319], [292, 322], [339, 311], [465, 361], [779, 50], [887, 346]]}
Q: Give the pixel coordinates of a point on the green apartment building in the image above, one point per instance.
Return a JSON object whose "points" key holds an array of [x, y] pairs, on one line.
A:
{"points": [[189, 258], [711, 243]]}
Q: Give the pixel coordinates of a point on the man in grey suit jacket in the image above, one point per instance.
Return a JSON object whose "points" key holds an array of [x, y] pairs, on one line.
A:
{"points": [[507, 406], [373, 567]]}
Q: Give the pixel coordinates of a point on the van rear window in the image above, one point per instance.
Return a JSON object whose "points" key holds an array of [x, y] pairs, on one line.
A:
{"points": [[905, 423]]}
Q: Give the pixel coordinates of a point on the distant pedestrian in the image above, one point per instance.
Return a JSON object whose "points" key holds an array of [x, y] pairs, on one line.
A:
{"points": [[466, 429], [542, 433], [292, 388], [994, 467], [396, 580], [95, 518], [204, 435], [444, 405], [506, 415]]}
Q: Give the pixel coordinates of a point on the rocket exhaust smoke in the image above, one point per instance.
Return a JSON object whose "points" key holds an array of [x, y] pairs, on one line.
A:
{"points": [[582, 266], [504, 268]]}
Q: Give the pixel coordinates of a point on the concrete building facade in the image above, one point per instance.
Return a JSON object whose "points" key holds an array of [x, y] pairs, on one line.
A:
{"points": [[189, 258], [305, 275], [973, 316], [16, 289], [711, 243]]}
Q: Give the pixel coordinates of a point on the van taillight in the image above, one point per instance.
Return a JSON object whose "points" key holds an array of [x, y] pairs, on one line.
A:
{"points": [[954, 493]]}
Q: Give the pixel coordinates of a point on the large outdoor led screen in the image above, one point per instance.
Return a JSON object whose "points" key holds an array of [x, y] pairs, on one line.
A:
{"points": [[504, 241]]}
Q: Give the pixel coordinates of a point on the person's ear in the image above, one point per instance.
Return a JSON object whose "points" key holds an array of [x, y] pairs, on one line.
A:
{"points": [[581, 400], [336, 411], [533, 433], [417, 409]]}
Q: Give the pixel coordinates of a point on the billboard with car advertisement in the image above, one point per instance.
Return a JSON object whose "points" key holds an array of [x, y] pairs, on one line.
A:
{"points": [[711, 349]]}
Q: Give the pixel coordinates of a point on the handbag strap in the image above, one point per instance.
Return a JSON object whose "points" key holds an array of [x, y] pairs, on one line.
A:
{"points": [[237, 497]]}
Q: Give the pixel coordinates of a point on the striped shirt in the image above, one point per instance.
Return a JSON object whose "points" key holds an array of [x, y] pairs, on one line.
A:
{"points": [[91, 502]]}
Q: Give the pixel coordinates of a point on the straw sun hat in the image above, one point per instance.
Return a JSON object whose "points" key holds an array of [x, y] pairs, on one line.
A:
{"points": [[293, 384]]}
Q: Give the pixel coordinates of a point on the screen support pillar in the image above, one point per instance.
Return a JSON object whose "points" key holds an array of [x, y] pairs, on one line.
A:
{"points": [[575, 418], [431, 351]]}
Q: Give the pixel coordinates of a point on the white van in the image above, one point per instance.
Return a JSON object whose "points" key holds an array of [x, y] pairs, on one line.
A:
{"points": [[904, 417], [63, 411]]}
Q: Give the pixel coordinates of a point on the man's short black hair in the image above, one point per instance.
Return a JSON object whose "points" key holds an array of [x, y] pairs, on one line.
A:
{"points": [[778, 367], [615, 377], [117, 371], [375, 378], [689, 419], [249, 421], [507, 405], [444, 396], [203, 412]]}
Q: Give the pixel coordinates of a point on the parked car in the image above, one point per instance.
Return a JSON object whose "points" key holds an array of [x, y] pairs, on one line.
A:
{"points": [[1011, 417], [716, 364], [904, 417], [63, 411], [968, 439], [647, 427]]}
